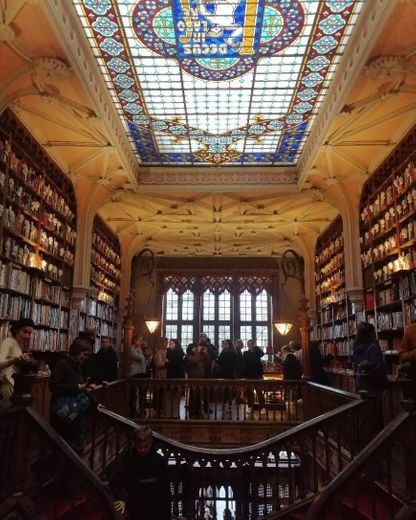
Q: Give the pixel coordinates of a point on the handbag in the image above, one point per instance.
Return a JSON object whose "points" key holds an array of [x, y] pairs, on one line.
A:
{"points": [[68, 407]]}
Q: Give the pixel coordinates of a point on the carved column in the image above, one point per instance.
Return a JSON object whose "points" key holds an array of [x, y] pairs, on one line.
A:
{"points": [[128, 330]]}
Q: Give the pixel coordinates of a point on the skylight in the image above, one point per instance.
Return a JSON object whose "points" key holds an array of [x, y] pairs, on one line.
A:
{"points": [[234, 82]]}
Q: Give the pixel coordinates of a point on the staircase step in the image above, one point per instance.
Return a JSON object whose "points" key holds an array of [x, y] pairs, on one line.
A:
{"points": [[374, 506]]}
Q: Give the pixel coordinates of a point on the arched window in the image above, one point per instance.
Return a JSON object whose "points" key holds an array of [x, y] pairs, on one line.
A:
{"points": [[225, 307]]}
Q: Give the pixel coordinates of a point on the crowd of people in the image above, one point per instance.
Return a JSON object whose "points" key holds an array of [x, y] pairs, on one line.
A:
{"points": [[140, 477]]}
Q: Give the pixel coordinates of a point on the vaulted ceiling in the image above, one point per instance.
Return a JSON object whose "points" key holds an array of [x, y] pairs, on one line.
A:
{"points": [[51, 80]]}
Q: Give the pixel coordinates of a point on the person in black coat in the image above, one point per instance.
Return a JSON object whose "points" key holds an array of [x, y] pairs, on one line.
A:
{"points": [[175, 364], [316, 365], [139, 480], [106, 361], [89, 366], [253, 369], [67, 380]]}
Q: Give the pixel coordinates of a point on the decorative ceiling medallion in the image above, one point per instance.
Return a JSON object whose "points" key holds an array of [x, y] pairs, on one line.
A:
{"points": [[218, 39]]}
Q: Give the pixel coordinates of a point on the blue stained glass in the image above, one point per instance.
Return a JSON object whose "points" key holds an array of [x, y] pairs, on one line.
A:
{"points": [[325, 44], [337, 6], [123, 81], [178, 130], [303, 107], [332, 24], [118, 65], [312, 79], [256, 129], [128, 95], [105, 26], [133, 108], [275, 125], [212, 91], [307, 94], [111, 46], [293, 119], [318, 63], [272, 24], [216, 29], [159, 125], [163, 26], [98, 6]]}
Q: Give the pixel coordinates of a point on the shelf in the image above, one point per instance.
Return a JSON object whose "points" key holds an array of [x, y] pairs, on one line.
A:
{"points": [[389, 306], [50, 193]]}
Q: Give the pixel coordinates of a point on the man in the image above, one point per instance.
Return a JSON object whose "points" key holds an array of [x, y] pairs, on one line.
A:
{"points": [[239, 345], [210, 348], [140, 482], [253, 369], [106, 361]]}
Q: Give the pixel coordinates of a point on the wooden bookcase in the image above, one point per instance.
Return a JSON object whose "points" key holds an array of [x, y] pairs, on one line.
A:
{"points": [[37, 238], [100, 309], [336, 319], [388, 246]]}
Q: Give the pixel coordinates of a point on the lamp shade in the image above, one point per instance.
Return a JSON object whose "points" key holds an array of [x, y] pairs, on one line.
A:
{"points": [[283, 327], [152, 324]]}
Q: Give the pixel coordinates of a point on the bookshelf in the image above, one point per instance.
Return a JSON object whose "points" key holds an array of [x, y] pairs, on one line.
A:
{"points": [[37, 238], [336, 317], [100, 309], [388, 246]]}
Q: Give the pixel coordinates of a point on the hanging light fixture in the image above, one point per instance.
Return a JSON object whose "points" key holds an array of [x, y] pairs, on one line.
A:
{"points": [[283, 327], [146, 266], [152, 324]]}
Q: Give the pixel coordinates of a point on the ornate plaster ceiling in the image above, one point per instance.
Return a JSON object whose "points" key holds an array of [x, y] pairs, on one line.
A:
{"points": [[50, 78]]}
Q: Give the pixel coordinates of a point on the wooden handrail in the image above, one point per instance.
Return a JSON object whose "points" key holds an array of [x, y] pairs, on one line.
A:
{"points": [[300, 461], [352, 471], [284, 436], [20, 469]]}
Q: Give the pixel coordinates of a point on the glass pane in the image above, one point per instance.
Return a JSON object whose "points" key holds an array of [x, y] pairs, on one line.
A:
{"points": [[224, 306], [171, 305], [187, 335], [262, 336], [208, 304], [188, 306], [246, 333], [210, 331], [223, 333], [261, 306], [245, 306], [171, 331]]}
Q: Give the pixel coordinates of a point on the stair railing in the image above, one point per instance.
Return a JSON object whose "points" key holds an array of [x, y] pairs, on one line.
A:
{"points": [[41, 474], [262, 478], [378, 481]]}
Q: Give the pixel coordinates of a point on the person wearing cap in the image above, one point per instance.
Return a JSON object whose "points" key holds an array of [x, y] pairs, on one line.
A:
{"points": [[10, 353]]}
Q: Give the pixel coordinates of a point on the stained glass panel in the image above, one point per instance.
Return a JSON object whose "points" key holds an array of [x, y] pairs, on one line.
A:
{"points": [[218, 81]]}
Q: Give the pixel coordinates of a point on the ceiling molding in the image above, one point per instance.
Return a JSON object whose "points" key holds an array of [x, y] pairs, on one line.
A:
{"points": [[219, 176], [79, 53], [369, 26]]}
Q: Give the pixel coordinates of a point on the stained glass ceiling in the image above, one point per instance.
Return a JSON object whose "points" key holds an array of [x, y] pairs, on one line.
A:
{"points": [[235, 82]]}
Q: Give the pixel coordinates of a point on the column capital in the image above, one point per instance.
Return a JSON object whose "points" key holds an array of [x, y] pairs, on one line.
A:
{"points": [[79, 293], [356, 297]]}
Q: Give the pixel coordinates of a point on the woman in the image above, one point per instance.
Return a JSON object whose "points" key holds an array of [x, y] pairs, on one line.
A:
{"points": [[175, 370], [138, 369], [226, 364], [160, 372], [368, 360], [10, 353], [194, 362], [70, 403]]}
